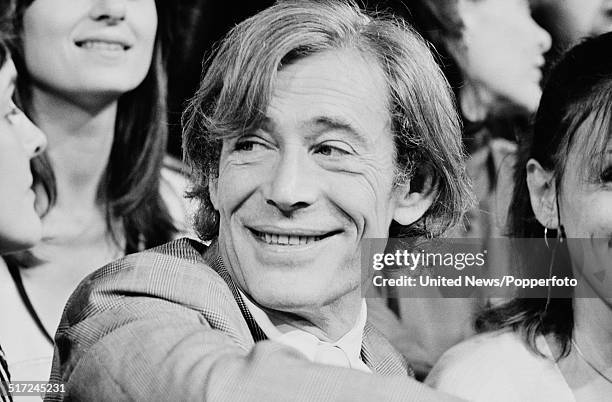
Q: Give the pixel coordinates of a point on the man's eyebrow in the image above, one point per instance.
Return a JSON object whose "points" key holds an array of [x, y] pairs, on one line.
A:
{"points": [[267, 124], [318, 125], [328, 123]]}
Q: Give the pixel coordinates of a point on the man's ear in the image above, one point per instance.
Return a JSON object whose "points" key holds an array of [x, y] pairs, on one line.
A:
{"points": [[542, 194], [414, 198], [213, 191]]}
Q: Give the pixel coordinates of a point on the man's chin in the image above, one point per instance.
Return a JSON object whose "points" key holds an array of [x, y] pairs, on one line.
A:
{"points": [[291, 293], [298, 292]]}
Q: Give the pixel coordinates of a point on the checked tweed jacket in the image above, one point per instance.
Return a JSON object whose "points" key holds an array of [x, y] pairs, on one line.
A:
{"points": [[168, 324]]}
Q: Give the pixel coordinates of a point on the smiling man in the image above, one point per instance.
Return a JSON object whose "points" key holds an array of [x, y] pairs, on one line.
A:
{"points": [[315, 128]]}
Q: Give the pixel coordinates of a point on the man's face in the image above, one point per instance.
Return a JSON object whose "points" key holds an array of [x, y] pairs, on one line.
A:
{"points": [[297, 196]]}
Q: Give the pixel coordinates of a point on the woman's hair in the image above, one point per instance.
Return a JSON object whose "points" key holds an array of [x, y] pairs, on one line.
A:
{"points": [[235, 90], [7, 10], [129, 187], [575, 116], [440, 24]]}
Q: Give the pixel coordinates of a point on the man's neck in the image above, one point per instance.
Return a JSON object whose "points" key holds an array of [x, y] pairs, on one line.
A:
{"points": [[328, 323], [80, 140]]}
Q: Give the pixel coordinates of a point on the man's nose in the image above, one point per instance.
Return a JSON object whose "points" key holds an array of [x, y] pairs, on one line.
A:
{"points": [[292, 185]]}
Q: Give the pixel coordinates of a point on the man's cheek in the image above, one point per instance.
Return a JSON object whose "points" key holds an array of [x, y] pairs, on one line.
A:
{"points": [[355, 197], [235, 187]]}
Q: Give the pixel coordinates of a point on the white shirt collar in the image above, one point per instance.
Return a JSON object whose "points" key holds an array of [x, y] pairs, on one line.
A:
{"points": [[310, 345]]}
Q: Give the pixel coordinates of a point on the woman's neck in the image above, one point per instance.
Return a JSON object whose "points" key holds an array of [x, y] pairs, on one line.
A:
{"points": [[473, 103], [593, 329], [80, 141]]}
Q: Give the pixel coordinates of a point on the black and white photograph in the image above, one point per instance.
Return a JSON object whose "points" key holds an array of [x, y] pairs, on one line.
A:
{"points": [[306, 200]]}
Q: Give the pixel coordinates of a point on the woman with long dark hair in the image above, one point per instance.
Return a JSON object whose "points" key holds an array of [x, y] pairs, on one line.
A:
{"points": [[554, 346], [92, 76]]}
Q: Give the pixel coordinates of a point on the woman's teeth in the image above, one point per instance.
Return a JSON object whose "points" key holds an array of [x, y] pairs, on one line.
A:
{"points": [[97, 45]]}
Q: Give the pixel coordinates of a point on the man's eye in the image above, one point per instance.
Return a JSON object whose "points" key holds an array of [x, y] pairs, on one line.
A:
{"points": [[248, 145], [333, 150]]}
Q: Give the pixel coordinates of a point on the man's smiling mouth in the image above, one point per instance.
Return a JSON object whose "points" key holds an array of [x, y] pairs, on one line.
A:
{"points": [[293, 239]]}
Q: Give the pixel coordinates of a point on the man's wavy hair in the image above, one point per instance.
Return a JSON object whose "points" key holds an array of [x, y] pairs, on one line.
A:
{"points": [[238, 79]]}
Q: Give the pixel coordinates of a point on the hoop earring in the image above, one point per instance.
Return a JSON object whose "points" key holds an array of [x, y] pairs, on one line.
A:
{"points": [[561, 230], [561, 234], [560, 237], [553, 254]]}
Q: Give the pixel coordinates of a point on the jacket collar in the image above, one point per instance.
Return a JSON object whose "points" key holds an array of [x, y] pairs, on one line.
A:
{"points": [[376, 352]]}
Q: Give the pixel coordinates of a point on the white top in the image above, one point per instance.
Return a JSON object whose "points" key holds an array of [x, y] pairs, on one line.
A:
{"points": [[28, 353], [498, 366], [345, 352]]}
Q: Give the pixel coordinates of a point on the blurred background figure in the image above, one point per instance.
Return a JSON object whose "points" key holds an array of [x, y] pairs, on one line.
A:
{"points": [[492, 52], [20, 140], [92, 76], [554, 346], [569, 21], [201, 23]]}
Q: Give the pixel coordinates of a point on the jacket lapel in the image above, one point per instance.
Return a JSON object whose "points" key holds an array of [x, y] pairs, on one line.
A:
{"points": [[382, 358], [215, 261]]}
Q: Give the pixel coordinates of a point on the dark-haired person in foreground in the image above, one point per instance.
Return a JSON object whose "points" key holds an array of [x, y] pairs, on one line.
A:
{"points": [[554, 348], [20, 141], [314, 128]]}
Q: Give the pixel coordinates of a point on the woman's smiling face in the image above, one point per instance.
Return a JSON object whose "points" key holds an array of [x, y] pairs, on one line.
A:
{"points": [[89, 48]]}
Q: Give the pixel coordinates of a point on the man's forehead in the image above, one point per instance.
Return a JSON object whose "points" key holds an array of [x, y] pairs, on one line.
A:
{"points": [[341, 88], [338, 69]]}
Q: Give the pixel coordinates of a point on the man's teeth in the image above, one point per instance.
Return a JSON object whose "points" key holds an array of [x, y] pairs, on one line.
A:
{"points": [[287, 239], [96, 45]]}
